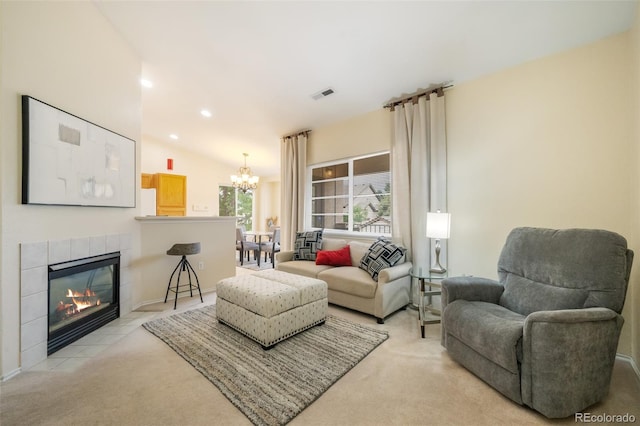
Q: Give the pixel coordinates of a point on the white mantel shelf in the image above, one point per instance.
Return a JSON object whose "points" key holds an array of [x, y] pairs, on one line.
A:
{"points": [[174, 219]]}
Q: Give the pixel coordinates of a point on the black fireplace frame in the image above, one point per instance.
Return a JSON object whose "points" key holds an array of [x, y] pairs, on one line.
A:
{"points": [[68, 334]]}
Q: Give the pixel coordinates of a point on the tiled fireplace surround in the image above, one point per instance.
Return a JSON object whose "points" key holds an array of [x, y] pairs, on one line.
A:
{"points": [[34, 260]]}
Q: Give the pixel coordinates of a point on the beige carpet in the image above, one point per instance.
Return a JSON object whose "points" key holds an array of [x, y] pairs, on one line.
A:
{"points": [[405, 381]]}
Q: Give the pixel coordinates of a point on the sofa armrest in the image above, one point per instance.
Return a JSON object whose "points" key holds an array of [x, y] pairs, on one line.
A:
{"points": [[284, 256], [576, 346], [470, 288], [393, 273]]}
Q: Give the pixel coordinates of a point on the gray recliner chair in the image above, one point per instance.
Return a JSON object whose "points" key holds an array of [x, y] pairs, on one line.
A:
{"points": [[545, 335]]}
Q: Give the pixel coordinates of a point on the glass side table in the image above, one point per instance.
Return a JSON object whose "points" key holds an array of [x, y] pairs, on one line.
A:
{"points": [[430, 285]]}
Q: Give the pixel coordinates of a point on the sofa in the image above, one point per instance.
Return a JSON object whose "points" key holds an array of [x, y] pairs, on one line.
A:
{"points": [[545, 334], [352, 287]]}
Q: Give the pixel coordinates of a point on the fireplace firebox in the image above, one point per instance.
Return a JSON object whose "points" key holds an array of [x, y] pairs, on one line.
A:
{"points": [[83, 296]]}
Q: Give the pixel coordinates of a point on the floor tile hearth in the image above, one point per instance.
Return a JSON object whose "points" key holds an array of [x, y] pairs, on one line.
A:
{"points": [[71, 357], [82, 350]]}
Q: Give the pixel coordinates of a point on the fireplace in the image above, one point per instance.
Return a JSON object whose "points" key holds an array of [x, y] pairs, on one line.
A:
{"points": [[83, 296]]}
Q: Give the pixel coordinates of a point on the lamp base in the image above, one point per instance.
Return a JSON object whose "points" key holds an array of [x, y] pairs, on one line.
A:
{"points": [[438, 268]]}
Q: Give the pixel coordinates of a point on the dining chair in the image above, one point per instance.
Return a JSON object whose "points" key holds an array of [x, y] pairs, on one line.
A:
{"points": [[271, 247], [243, 246]]}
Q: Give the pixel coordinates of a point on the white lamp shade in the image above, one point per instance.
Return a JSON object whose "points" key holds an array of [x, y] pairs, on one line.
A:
{"points": [[438, 225]]}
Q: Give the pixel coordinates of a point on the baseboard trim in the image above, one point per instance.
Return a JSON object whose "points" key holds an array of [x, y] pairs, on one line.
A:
{"points": [[170, 299], [632, 362], [12, 374]]}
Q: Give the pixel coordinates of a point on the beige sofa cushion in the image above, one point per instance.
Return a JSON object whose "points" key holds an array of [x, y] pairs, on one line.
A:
{"points": [[351, 280], [307, 268], [333, 244], [358, 250]]}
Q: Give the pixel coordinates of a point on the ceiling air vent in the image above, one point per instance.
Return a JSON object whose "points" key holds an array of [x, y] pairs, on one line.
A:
{"points": [[322, 94]]}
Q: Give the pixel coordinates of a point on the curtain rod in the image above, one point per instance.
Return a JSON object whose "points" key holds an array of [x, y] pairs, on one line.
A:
{"points": [[304, 132], [414, 98]]}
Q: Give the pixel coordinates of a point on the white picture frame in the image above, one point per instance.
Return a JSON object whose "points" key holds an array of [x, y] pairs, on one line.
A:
{"points": [[69, 161]]}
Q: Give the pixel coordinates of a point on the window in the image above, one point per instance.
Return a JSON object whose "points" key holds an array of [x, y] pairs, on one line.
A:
{"points": [[352, 195], [233, 202]]}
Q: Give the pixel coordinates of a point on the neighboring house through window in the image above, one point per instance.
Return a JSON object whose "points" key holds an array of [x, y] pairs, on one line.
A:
{"points": [[233, 202], [352, 195]]}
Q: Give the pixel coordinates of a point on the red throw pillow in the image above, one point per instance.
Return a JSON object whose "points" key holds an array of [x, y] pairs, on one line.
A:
{"points": [[340, 257]]}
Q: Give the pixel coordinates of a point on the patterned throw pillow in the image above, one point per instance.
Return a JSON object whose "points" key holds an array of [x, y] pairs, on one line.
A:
{"points": [[307, 245], [382, 254]]}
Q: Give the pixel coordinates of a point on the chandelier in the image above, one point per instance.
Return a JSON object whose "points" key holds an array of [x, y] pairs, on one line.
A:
{"points": [[246, 180]]}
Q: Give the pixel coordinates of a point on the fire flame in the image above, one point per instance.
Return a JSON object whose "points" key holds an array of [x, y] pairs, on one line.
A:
{"points": [[87, 293], [81, 301]]}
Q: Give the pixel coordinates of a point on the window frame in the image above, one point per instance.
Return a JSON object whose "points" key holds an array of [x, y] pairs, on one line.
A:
{"points": [[237, 203], [349, 232]]}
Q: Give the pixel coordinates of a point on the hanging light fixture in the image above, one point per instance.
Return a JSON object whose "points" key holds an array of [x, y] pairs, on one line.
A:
{"points": [[246, 180]]}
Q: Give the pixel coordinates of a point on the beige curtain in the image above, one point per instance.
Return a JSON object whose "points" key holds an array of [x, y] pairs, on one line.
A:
{"points": [[293, 156], [419, 161]]}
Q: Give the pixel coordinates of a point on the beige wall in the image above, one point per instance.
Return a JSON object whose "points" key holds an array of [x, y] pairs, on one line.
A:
{"points": [[548, 143], [267, 202], [68, 55], [365, 134]]}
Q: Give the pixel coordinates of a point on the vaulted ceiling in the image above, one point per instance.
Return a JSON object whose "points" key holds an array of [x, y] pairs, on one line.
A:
{"points": [[256, 65]]}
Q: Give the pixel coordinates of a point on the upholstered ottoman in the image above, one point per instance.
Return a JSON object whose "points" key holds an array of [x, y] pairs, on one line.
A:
{"points": [[270, 306]]}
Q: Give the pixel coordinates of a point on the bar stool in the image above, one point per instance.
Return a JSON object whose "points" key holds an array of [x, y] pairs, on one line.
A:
{"points": [[183, 250]]}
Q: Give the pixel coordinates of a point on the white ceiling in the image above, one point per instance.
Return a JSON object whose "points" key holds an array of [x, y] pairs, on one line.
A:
{"points": [[255, 65]]}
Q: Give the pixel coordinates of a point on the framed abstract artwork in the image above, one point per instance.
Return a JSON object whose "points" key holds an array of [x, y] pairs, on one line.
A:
{"points": [[67, 160]]}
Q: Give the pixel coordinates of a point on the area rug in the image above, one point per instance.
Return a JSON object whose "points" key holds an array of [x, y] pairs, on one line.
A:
{"points": [[269, 387], [253, 266]]}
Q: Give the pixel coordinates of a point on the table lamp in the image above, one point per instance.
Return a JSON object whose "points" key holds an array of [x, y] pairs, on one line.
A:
{"points": [[438, 226]]}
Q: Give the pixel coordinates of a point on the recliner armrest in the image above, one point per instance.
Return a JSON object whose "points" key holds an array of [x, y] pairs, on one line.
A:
{"points": [[569, 316], [576, 346], [472, 289]]}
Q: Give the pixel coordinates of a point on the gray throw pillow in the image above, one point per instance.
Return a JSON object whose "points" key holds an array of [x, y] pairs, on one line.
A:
{"points": [[307, 245]]}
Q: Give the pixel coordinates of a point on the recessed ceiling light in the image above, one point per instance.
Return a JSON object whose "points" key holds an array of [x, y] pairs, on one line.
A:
{"points": [[173, 136], [206, 113], [146, 83]]}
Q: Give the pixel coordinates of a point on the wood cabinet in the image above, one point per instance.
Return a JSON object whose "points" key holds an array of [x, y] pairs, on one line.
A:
{"points": [[147, 181], [171, 193]]}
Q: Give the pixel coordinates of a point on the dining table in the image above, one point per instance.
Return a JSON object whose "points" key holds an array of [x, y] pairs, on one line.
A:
{"points": [[258, 236]]}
